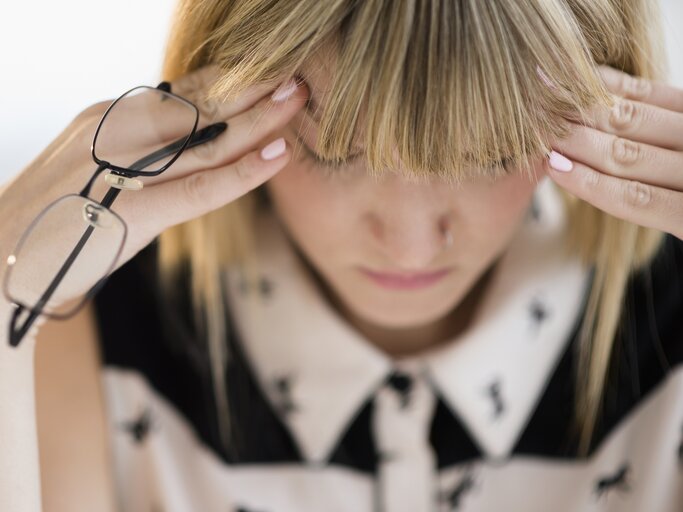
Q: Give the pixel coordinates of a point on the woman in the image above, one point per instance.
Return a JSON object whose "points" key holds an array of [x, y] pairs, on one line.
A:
{"points": [[287, 357]]}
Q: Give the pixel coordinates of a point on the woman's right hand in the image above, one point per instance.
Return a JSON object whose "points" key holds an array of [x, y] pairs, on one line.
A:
{"points": [[203, 178]]}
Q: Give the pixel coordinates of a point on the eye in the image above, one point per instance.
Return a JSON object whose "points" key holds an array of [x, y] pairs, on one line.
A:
{"points": [[329, 166], [506, 165]]}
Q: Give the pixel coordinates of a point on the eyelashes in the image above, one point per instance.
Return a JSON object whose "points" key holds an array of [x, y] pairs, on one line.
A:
{"points": [[329, 166], [504, 166]]}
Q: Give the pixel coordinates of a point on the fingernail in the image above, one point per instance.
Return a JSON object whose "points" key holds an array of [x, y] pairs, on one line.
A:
{"points": [[559, 162], [285, 90], [274, 149]]}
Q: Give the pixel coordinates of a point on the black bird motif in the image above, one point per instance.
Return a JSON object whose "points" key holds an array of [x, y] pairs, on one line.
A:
{"points": [[493, 390], [538, 311], [402, 383], [618, 480], [283, 394], [453, 498], [139, 428], [264, 286]]}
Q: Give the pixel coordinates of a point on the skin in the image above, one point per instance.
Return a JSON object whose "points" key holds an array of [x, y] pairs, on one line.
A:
{"points": [[347, 219], [628, 161]]}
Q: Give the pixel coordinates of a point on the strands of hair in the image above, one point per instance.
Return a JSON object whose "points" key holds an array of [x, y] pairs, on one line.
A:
{"points": [[438, 88], [453, 85]]}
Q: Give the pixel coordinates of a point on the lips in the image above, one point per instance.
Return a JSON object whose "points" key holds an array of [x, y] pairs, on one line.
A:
{"points": [[405, 280]]}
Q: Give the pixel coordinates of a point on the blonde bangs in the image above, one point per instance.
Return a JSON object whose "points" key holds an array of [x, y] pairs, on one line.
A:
{"points": [[445, 88], [433, 88]]}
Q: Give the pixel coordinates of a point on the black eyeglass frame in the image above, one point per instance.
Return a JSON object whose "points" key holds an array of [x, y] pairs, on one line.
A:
{"points": [[195, 138]]}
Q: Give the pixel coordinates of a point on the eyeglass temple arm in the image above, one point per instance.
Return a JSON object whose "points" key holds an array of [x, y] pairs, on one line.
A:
{"points": [[18, 334], [202, 136]]}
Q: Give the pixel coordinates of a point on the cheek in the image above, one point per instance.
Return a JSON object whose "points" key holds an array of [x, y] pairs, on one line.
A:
{"points": [[495, 209], [315, 209]]}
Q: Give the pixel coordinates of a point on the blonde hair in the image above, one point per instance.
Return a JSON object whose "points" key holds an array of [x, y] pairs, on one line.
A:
{"points": [[454, 85]]}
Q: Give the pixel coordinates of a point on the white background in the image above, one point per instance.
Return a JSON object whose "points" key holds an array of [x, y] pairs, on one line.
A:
{"points": [[58, 57]]}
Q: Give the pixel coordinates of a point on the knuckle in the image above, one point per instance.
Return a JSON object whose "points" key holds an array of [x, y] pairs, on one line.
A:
{"points": [[590, 181], [206, 152], [244, 168], [637, 194], [623, 114], [189, 84], [195, 187], [208, 108], [635, 87], [625, 152]]}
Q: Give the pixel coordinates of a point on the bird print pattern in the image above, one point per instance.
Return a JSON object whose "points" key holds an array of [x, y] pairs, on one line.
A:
{"points": [[539, 313], [282, 393], [494, 392], [140, 427], [264, 286], [452, 498], [618, 481]]}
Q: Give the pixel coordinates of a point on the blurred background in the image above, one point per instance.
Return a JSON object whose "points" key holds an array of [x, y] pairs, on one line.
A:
{"points": [[59, 57]]}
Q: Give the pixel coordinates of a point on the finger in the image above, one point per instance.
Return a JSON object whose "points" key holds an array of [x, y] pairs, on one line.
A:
{"points": [[183, 199], [141, 120], [195, 85], [245, 131], [623, 158], [640, 89], [636, 202], [641, 122]]}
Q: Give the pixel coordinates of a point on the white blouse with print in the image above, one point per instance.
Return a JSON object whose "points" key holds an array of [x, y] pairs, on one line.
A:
{"points": [[324, 421]]}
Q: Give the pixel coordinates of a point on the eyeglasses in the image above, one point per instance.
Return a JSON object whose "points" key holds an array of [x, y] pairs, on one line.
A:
{"points": [[37, 280]]}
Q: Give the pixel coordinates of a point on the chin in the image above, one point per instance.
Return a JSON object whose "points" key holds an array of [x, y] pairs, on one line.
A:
{"points": [[396, 310]]}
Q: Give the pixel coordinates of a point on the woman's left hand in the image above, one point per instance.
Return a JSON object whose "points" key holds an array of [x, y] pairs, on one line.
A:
{"points": [[629, 162]]}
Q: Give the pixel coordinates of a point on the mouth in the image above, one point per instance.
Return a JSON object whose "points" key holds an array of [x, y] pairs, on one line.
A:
{"points": [[405, 281]]}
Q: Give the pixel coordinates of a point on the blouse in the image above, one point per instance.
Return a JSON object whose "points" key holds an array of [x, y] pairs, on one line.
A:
{"points": [[323, 420]]}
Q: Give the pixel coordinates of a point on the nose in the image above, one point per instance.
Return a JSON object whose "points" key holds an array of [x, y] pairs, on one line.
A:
{"points": [[407, 223]]}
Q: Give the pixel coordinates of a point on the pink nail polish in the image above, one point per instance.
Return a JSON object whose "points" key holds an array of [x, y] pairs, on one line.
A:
{"points": [[274, 149], [559, 162], [285, 90]]}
